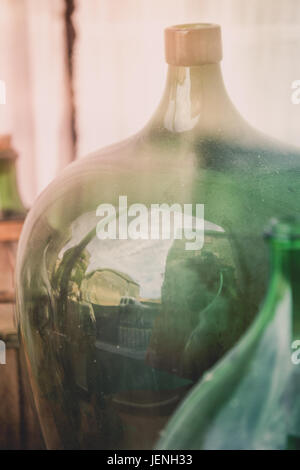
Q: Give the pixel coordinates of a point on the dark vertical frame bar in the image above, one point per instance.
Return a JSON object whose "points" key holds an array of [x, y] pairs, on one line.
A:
{"points": [[70, 7]]}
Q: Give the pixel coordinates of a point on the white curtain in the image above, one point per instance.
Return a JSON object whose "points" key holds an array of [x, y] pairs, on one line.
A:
{"points": [[119, 71], [37, 109]]}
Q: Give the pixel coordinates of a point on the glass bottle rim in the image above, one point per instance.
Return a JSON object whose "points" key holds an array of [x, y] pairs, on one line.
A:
{"points": [[283, 230]]}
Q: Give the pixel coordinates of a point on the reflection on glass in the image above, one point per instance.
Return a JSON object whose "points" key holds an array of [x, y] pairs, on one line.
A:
{"points": [[133, 325]]}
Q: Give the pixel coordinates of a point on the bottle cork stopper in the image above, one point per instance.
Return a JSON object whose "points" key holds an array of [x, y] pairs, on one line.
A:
{"points": [[6, 150], [193, 44], [5, 141]]}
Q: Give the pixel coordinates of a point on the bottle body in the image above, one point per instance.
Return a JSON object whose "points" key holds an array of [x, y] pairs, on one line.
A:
{"points": [[162, 277], [249, 401], [117, 328]]}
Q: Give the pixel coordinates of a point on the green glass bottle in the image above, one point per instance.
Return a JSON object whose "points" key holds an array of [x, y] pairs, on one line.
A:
{"points": [[12, 215], [250, 399], [117, 330], [11, 205]]}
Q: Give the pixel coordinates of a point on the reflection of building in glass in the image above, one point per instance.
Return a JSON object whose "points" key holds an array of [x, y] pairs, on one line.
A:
{"points": [[136, 322], [107, 287], [124, 321], [76, 263], [200, 317]]}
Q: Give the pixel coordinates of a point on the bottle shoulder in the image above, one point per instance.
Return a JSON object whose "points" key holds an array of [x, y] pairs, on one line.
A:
{"points": [[165, 166]]}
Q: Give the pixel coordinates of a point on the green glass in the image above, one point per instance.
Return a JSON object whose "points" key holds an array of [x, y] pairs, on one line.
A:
{"points": [[116, 332], [11, 205], [250, 399]]}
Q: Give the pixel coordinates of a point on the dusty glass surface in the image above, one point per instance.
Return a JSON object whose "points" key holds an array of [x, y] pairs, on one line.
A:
{"points": [[117, 331]]}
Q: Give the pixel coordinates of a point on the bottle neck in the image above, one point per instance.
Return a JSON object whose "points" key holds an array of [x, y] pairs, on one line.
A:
{"points": [[195, 99], [11, 205], [285, 277]]}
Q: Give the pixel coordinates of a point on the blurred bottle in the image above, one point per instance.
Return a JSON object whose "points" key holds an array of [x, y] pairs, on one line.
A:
{"points": [[250, 400], [18, 422], [12, 215], [11, 205]]}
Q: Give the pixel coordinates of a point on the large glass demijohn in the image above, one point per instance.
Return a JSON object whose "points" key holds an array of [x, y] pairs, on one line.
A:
{"points": [[118, 327]]}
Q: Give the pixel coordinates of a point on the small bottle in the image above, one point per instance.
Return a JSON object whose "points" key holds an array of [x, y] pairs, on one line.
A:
{"points": [[12, 215], [11, 205], [18, 420], [250, 400]]}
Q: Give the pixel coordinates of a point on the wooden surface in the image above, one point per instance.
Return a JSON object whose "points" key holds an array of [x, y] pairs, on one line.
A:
{"points": [[19, 426]]}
